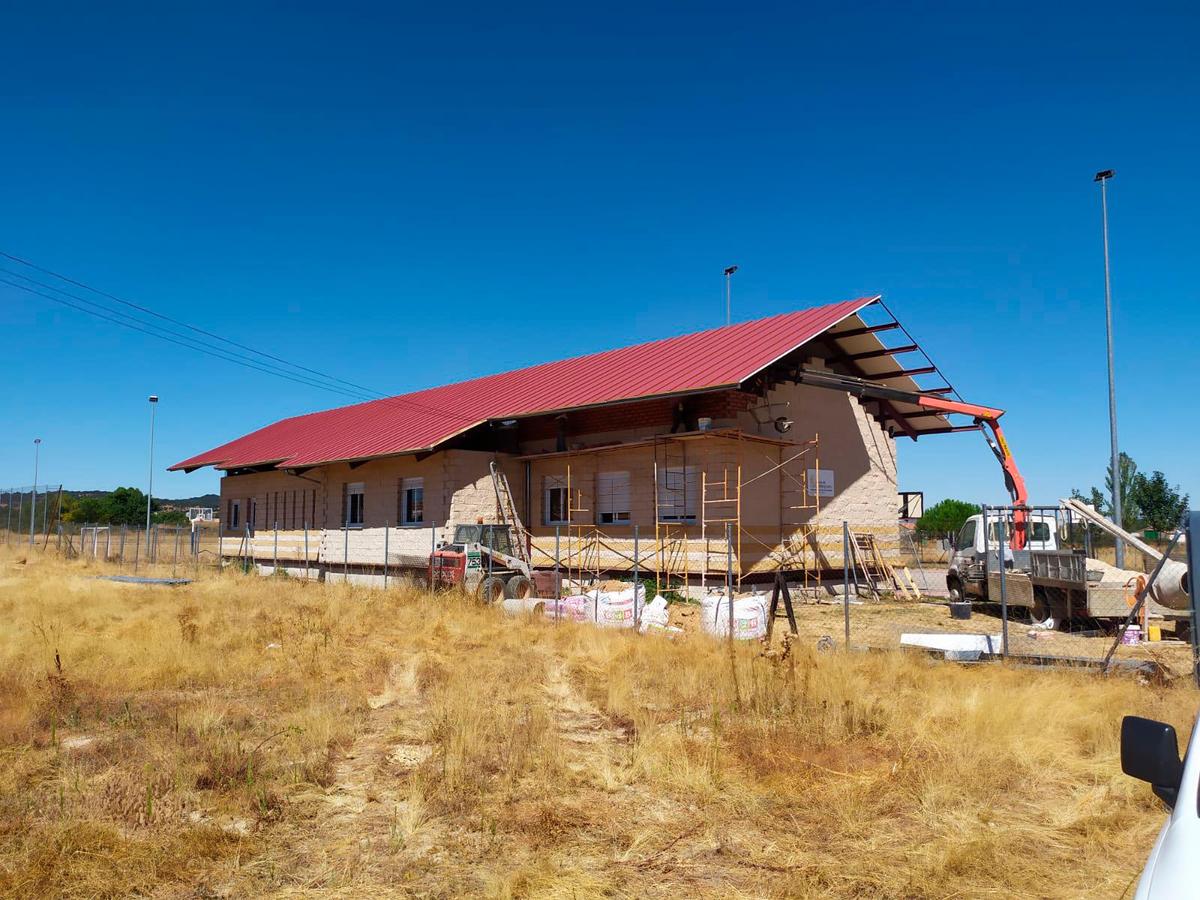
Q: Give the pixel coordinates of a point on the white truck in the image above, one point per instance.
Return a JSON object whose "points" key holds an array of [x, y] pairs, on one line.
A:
{"points": [[1053, 583], [1150, 752]]}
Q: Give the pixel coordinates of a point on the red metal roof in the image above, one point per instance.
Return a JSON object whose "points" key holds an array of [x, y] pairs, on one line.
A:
{"points": [[409, 423]]}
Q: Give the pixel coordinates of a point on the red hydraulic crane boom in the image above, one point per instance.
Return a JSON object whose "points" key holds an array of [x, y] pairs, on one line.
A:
{"points": [[983, 415]]}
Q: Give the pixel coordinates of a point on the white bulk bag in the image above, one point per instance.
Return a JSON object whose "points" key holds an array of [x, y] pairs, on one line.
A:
{"points": [[619, 609], [655, 615], [749, 617]]}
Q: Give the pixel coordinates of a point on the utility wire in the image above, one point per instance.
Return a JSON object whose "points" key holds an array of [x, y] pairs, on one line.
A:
{"points": [[175, 337], [165, 318], [160, 331], [181, 342]]}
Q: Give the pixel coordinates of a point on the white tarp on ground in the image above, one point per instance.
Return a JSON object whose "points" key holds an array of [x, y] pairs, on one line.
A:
{"points": [[955, 646]]}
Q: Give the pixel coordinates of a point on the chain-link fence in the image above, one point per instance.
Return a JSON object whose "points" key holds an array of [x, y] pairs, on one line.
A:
{"points": [[125, 548], [969, 596], [29, 514], [1055, 601]]}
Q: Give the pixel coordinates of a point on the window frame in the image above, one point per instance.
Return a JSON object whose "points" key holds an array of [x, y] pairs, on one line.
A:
{"points": [[958, 540], [1037, 531], [415, 483], [355, 489], [690, 503], [551, 484], [607, 494]]}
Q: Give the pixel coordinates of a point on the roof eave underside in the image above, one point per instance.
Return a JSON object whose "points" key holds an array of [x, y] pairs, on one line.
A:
{"points": [[858, 347]]}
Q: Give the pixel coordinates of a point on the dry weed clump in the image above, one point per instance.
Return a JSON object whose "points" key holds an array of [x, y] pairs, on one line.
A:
{"points": [[247, 736]]}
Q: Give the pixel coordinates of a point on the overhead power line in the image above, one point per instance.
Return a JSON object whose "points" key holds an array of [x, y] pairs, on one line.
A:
{"points": [[184, 342], [165, 318], [257, 360]]}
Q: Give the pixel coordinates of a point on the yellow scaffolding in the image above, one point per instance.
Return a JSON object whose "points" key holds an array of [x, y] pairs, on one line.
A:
{"points": [[699, 483]]}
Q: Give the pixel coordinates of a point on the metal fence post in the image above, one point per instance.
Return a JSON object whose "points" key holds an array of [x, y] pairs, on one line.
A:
{"points": [[386, 530], [432, 551], [1000, 547], [306, 549], [276, 549], [137, 547], [1193, 557], [345, 552], [557, 575], [729, 574], [846, 579], [637, 613]]}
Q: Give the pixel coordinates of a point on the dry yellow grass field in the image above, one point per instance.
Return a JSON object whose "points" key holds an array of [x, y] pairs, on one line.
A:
{"points": [[249, 736]]}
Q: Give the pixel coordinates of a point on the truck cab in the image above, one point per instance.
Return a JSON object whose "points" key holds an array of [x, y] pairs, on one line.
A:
{"points": [[966, 576]]}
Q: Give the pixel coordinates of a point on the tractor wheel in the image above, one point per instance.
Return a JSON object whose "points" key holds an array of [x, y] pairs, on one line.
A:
{"points": [[491, 589], [519, 587], [954, 586]]}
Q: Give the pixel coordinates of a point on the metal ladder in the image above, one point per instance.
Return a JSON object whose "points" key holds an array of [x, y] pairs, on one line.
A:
{"points": [[508, 512]]}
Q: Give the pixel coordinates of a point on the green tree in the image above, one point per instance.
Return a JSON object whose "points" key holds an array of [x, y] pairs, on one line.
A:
{"points": [[1161, 505], [171, 517], [1102, 499], [1146, 502], [1094, 498], [1131, 513], [945, 517], [123, 506], [127, 506], [85, 509]]}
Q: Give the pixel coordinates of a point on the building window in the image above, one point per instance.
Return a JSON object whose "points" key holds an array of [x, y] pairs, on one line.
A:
{"points": [[612, 500], [234, 517], [554, 507], [355, 495], [252, 514], [678, 491], [412, 501]]}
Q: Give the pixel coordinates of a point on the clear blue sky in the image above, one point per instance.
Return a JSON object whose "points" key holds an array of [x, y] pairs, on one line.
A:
{"points": [[409, 197]]}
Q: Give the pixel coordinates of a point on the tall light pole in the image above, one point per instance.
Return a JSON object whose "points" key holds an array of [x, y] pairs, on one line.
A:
{"points": [[150, 484], [728, 278], [37, 452], [1102, 179]]}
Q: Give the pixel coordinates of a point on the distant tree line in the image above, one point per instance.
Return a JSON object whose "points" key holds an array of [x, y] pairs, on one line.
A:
{"points": [[123, 506]]}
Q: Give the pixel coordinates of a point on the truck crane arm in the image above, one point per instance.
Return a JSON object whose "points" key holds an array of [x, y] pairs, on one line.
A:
{"points": [[983, 415]]}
